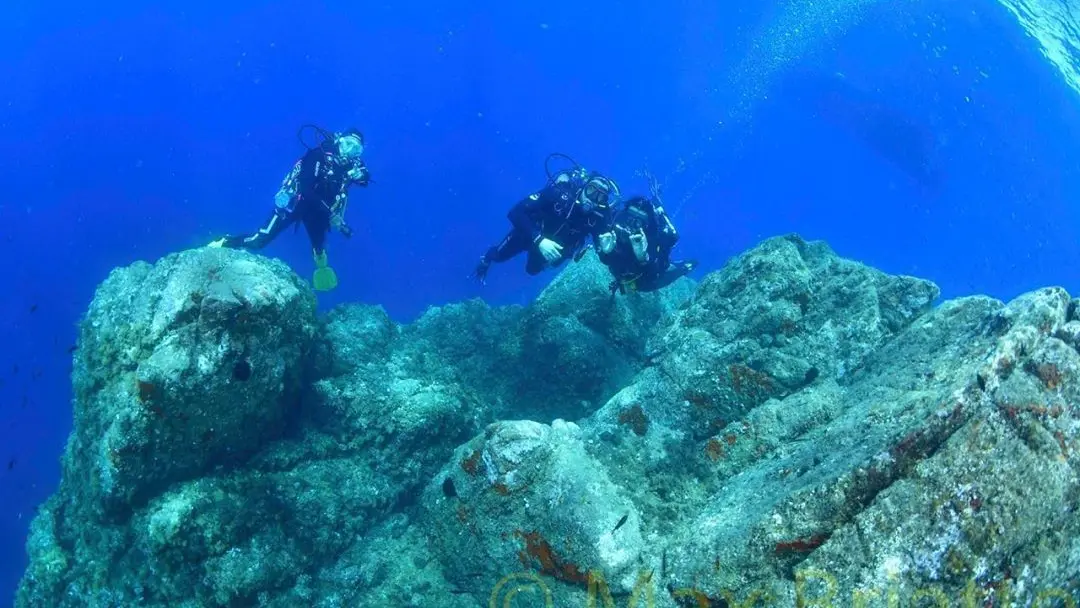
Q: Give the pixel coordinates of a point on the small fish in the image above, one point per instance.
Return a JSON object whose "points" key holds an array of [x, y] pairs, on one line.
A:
{"points": [[33, 308], [11, 464], [37, 373], [622, 521], [15, 369], [72, 348]]}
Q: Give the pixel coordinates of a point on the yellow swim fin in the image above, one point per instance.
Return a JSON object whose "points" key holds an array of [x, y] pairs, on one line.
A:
{"points": [[324, 278]]}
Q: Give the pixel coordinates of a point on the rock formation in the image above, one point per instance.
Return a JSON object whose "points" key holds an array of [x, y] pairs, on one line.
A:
{"points": [[796, 428]]}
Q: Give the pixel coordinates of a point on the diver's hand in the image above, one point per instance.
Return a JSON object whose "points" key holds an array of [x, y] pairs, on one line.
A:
{"points": [[639, 243], [607, 242], [551, 250], [481, 271], [360, 175]]}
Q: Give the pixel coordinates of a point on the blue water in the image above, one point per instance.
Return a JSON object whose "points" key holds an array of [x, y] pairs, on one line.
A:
{"points": [[129, 132]]}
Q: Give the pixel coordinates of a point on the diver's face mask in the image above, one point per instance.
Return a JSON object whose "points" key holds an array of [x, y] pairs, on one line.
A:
{"points": [[596, 195], [632, 221], [350, 147]]}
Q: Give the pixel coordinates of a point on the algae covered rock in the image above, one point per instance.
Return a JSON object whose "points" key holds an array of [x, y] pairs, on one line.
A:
{"points": [[580, 343], [194, 361], [468, 343], [796, 429], [188, 365], [403, 396], [775, 320], [525, 496], [943, 464]]}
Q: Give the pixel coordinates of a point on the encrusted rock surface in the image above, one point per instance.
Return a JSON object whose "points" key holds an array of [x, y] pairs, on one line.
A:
{"points": [[526, 493], [190, 363], [796, 425]]}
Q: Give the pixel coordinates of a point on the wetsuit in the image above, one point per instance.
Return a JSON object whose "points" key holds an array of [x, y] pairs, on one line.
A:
{"points": [[314, 192], [656, 270], [555, 213]]}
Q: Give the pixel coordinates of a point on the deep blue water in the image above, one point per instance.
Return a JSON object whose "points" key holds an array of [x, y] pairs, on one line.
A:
{"points": [[129, 132]]}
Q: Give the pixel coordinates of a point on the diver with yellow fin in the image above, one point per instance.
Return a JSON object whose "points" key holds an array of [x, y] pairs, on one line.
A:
{"points": [[315, 193]]}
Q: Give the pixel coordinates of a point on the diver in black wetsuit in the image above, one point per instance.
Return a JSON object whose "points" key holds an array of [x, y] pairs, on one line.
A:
{"points": [[315, 193], [553, 224], [637, 248]]}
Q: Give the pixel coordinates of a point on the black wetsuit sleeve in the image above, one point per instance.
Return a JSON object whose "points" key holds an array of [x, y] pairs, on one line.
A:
{"points": [[667, 236], [290, 186], [523, 213]]}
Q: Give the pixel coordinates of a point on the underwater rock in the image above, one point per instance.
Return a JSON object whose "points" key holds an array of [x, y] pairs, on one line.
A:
{"points": [[187, 364], [580, 343], [405, 396], [526, 496], [354, 336], [944, 465], [184, 367], [468, 343], [779, 318], [796, 425]]}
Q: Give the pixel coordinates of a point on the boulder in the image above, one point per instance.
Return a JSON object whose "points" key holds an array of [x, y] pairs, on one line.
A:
{"points": [[525, 496], [190, 363]]}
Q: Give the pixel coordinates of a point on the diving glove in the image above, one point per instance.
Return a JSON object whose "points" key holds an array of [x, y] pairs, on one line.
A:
{"points": [[337, 222], [324, 278], [480, 274], [639, 244], [551, 250], [607, 242]]}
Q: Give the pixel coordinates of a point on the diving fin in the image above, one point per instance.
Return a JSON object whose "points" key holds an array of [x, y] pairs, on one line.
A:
{"points": [[324, 278]]}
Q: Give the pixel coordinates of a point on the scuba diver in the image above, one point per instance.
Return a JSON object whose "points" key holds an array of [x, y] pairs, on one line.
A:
{"points": [[315, 193], [553, 223], [637, 248]]}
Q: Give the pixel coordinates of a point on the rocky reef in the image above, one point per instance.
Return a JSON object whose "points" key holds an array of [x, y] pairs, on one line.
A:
{"points": [[796, 429]]}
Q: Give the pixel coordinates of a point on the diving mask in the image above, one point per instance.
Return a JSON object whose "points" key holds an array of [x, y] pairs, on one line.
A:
{"points": [[597, 193], [632, 220], [350, 147]]}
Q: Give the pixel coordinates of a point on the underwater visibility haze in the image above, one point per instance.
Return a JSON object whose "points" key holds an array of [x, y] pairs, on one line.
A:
{"points": [[325, 304]]}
